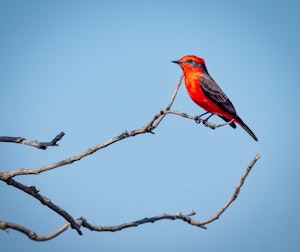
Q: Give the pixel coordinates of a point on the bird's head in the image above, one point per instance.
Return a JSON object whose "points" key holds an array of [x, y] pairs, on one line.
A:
{"points": [[191, 63]]}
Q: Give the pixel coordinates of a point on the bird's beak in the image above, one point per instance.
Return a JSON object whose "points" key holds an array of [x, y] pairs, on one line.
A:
{"points": [[176, 62]]}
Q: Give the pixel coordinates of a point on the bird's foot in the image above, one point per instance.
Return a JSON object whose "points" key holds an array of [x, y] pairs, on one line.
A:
{"points": [[198, 118], [205, 121]]}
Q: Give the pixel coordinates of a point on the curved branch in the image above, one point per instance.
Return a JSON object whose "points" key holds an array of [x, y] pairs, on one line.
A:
{"points": [[234, 195], [32, 235], [187, 218], [31, 190], [39, 145], [163, 216]]}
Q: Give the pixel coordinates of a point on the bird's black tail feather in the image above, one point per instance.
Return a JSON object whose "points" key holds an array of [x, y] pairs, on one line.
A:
{"points": [[246, 128], [243, 125]]}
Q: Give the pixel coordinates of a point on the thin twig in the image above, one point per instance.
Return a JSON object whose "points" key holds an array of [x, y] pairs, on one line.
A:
{"points": [[234, 195], [39, 145], [177, 86], [164, 216], [32, 235]]}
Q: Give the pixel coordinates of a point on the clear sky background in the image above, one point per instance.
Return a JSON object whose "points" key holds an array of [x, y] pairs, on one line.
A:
{"points": [[94, 69]]}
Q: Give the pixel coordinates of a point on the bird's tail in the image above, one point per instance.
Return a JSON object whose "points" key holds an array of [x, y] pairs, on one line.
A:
{"points": [[246, 128]]}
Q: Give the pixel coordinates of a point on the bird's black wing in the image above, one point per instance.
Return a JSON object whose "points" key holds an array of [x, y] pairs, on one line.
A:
{"points": [[211, 89]]}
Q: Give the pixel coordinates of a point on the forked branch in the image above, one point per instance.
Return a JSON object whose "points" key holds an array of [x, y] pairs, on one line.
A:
{"points": [[82, 222], [148, 128]]}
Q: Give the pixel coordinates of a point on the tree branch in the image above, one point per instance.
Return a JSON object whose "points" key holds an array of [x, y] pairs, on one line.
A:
{"points": [[32, 235], [187, 218], [39, 145], [31, 190], [199, 120], [148, 128], [82, 222], [234, 195], [163, 216]]}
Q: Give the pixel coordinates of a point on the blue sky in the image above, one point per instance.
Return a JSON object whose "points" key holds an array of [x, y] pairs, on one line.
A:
{"points": [[94, 69]]}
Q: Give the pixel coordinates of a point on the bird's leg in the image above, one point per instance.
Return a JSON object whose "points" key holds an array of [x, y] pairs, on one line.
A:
{"points": [[198, 118], [205, 121]]}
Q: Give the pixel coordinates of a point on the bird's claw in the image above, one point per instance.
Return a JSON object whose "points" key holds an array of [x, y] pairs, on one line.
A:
{"points": [[205, 121], [150, 129], [198, 119]]}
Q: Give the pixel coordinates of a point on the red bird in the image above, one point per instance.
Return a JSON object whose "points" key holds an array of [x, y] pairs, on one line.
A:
{"points": [[206, 93]]}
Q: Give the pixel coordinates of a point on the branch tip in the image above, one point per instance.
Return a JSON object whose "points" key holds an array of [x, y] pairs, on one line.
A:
{"points": [[39, 145]]}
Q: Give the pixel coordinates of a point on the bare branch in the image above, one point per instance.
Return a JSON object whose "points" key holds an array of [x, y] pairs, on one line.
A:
{"points": [[83, 222], [177, 86], [234, 195], [148, 128], [32, 235], [199, 120], [39, 145], [163, 216], [31, 190], [187, 218]]}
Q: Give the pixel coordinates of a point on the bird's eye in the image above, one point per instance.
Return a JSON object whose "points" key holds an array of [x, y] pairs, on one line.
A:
{"points": [[189, 61]]}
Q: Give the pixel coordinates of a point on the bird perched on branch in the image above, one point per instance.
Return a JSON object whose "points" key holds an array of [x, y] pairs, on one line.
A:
{"points": [[206, 93]]}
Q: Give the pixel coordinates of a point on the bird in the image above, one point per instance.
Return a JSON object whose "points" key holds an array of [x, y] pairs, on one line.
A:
{"points": [[206, 93]]}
